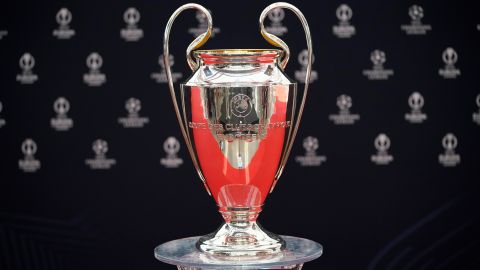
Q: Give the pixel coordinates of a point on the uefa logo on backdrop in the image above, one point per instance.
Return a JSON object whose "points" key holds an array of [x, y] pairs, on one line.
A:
{"points": [[449, 57], [94, 77], [133, 119], [202, 26], [29, 163], [382, 144], [3, 33], [27, 62], [416, 102], [416, 27], [303, 61], [344, 29], [310, 159], [171, 147], [475, 116], [161, 77], [344, 117], [276, 17], [61, 122], [3, 122], [63, 17], [378, 72], [100, 161], [131, 32], [449, 158]]}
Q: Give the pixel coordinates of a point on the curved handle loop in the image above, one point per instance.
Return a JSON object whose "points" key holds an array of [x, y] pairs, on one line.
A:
{"points": [[276, 41], [193, 63]]}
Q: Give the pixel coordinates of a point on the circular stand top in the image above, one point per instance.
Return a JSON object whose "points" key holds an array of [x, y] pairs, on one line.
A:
{"points": [[182, 252]]}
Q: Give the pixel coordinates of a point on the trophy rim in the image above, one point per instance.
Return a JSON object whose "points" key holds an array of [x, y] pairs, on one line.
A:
{"points": [[239, 52]]}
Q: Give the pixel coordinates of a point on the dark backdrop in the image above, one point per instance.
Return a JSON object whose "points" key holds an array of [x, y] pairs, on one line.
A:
{"points": [[413, 213]]}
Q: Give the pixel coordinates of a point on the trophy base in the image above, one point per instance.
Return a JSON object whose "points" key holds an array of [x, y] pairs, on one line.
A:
{"points": [[185, 255], [237, 239]]}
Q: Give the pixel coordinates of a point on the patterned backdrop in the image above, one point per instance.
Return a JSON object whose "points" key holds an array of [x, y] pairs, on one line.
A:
{"points": [[384, 171]]}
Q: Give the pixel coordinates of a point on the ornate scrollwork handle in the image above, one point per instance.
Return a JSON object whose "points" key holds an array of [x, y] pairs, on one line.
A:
{"points": [[193, 63], [276, 41]]}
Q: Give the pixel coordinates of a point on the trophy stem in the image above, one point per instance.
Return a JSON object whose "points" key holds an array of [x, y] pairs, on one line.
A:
{"points": [[241, 236]]}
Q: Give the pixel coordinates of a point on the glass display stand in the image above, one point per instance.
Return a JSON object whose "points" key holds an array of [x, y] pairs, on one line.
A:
{"points": [[184, 254]]}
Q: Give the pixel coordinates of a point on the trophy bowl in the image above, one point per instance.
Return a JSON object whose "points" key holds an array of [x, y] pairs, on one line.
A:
{"points": [[239, 116]]}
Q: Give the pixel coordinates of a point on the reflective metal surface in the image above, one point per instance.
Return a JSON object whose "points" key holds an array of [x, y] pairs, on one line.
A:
{"points": [[239, 118]]}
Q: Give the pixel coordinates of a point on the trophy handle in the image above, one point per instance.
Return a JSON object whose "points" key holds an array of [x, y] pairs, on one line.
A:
{"points": [[196, 43], [276, 41]]}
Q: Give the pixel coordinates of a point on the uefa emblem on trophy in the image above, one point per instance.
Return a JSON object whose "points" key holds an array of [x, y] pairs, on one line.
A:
{"points": [[239, 116]]}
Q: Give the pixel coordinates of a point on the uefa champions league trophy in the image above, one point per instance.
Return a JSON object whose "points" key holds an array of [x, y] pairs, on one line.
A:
{"points": [[239, 117]]}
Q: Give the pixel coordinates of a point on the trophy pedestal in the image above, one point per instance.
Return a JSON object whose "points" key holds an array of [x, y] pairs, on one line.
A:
{"points": [[184, 254]]}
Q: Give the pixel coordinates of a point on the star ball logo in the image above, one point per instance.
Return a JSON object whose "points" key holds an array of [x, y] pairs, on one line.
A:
{"points": [[344, 29], [276, 17], [310, 159], [3, 122], [303, 61], [171, 147], [449, 57], [61, 122], [475, 116], [416, 27], [449, 158], [94, 77], [382, 144], [202, 26], [100, 161], [131, 32], [29, 163], [27, 62], [378, 72], [161, 77], [63, 17], [133, 120], [416, 102], [344, 117]]}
